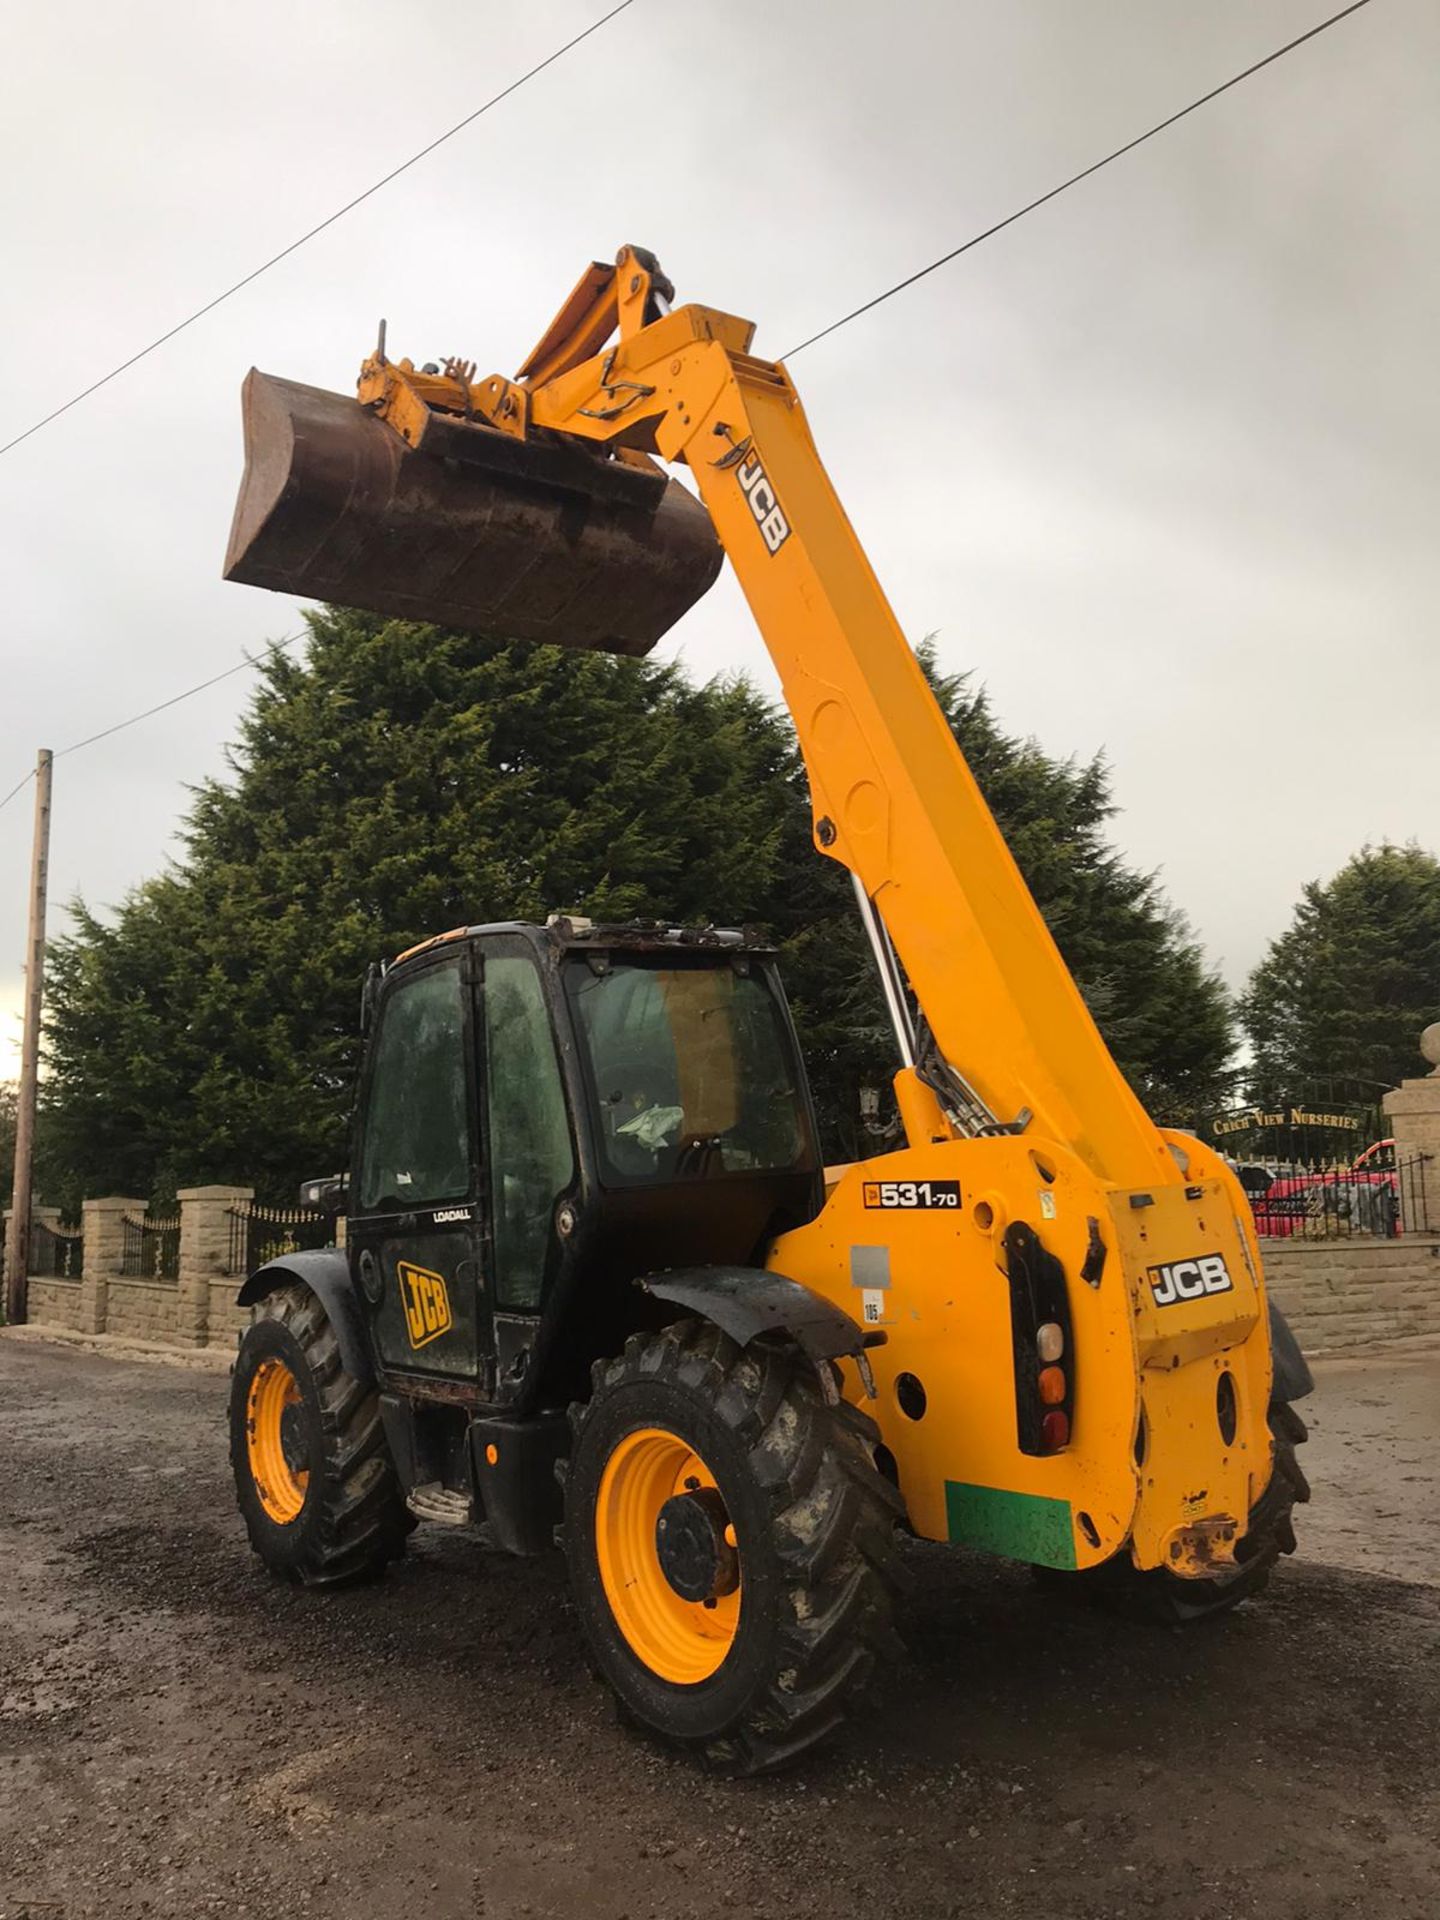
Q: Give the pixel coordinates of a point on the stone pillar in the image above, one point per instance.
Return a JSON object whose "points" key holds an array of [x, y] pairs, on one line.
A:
{"points": [[204, 1249], [41, 1216], [42, 1298], [104, 1243], [1413, 1111]]}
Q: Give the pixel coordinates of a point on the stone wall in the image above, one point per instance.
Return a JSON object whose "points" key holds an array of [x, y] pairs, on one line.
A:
{"points": [[195, 1309], [1349, 1293], [143, 1310], [57, 1303]]}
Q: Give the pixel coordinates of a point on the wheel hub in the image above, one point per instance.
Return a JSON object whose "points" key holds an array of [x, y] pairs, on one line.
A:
{"points": [[292, 1438], [695, 1556]]}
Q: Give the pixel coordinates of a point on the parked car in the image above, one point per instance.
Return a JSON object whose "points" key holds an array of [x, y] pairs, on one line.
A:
{"points": [[1255, 1179], [1320, 1202]]}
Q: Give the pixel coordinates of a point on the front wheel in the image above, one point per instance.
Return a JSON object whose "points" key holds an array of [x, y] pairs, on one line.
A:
{"points": [[730, 1545], [313, 1477]]}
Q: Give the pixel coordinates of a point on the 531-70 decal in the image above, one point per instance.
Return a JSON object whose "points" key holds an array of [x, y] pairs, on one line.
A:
{"points": [[912, 1193]]}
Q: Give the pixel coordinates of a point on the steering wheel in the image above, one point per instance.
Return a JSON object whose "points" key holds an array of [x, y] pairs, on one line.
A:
{"points": [[625, 1085], [628, 1087]]}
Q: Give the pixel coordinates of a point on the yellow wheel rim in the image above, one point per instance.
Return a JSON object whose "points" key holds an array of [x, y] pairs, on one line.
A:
{"points": [[280, 1485], [683, 1641]]}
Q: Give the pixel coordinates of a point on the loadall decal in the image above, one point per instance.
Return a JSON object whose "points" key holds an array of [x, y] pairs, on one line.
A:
{"points": [[910, 1194], [1189, 1279], [426, 1301], [769, 516]]}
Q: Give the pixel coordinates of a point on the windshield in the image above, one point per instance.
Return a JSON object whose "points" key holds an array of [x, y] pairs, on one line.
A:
{"points": [[693, 1070]]}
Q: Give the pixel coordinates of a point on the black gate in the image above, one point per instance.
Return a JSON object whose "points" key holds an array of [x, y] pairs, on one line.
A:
{"points": [[150, 1247], [54, 1253], [258, 1234]]}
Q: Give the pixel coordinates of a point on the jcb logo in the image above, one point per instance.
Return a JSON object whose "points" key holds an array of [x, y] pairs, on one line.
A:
{"points": [[1189, 1279], [426, 1303], [756, 487]]}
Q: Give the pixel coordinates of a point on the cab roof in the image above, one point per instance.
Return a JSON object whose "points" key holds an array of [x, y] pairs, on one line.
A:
{"points": [[566, 930]]}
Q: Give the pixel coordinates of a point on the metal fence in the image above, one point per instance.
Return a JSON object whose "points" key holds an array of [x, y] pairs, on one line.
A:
{"points": [[1301, 1201], [54, 1253], [258, 1234], [150, 1247]]}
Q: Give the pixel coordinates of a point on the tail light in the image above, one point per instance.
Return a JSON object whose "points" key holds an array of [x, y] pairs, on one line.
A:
{"points": [[1041, 1341]]}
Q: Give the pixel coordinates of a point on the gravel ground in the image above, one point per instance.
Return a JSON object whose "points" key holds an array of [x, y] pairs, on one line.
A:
{"points": [[179, 1736]]}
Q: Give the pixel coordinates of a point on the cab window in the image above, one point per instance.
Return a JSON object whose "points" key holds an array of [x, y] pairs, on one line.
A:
{"points": [[693, 1070], [416, 1146]]}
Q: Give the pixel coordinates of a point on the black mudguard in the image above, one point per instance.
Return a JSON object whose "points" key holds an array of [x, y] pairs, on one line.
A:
{"points": [[517, 1488], [326, 1271], [1292, 1378], [748, 1302]]}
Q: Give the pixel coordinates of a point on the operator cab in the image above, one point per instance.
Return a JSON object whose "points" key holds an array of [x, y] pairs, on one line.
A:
{"points": [[547, 1114]]}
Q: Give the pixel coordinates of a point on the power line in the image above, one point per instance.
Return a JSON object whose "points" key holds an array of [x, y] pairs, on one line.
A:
{"points": [[242, 666], [1075, 178], [18, 787], [275, 646], [835, 325], [329, 221]]}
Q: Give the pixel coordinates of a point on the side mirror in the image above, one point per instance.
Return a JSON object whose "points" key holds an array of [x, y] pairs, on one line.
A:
{"points": [[327, 1195]]}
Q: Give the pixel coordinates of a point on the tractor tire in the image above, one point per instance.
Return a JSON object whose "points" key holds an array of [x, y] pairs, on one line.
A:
{"points": [[731, 1545], [313, 1476], [1163, 1595]]}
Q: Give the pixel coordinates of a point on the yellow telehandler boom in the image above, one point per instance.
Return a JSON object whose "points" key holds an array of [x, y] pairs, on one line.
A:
{"points": [[1067, 1354]]}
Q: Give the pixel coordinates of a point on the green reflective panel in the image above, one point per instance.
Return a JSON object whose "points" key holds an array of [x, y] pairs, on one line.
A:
{"points": [[1022, 1526]]}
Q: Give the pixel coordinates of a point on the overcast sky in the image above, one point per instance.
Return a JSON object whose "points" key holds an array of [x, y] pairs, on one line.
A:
{"points": [[1159, 463]]}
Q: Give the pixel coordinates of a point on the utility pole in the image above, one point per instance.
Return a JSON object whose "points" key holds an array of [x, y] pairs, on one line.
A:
{"points": [[17, 1241]]}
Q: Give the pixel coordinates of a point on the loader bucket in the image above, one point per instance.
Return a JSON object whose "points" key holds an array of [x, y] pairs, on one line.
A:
{"points": [[516, 540]]}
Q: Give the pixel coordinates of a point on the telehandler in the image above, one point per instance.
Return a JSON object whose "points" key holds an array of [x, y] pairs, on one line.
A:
{"points": [[593, 1277]]}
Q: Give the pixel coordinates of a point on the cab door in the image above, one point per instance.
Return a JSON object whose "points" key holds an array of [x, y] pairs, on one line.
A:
{"points": [[414, 1228], [530, 1163]]}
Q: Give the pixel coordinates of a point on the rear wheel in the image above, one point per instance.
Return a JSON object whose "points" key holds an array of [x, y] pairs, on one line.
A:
{"points": [[1271, 1533], [313, 1477], [730, 1544]]}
